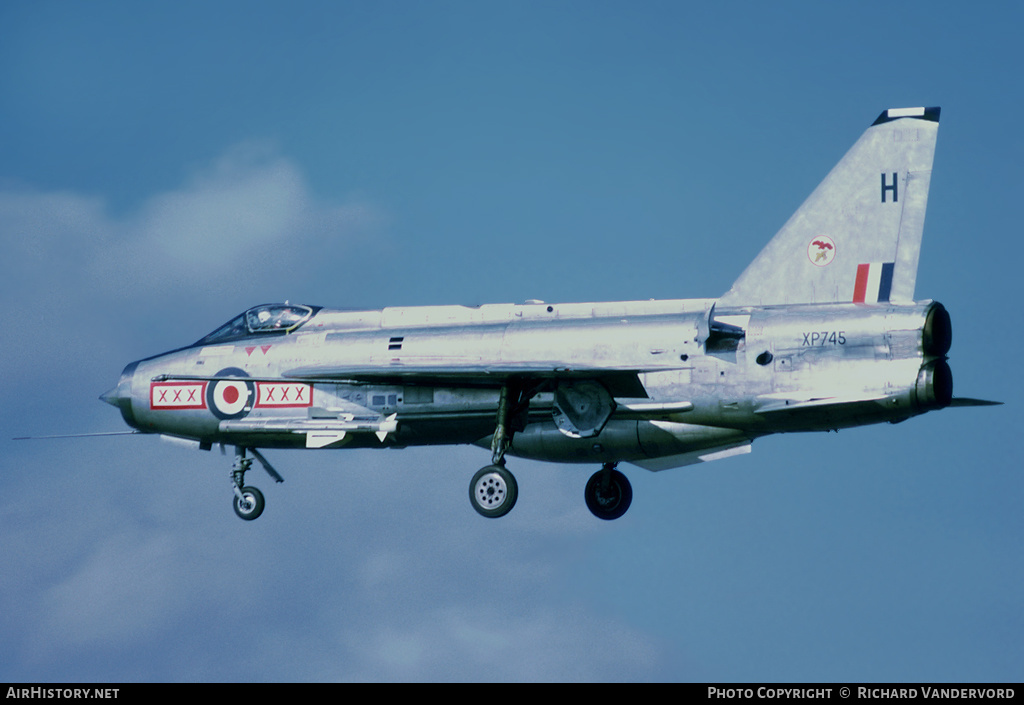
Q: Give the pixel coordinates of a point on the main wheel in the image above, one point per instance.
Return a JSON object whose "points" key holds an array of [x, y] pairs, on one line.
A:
{"points": [[609, 502], [493, 491], [250, 504]]}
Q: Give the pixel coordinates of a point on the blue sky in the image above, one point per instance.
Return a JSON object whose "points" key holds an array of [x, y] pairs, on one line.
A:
{"points": [[167, 165]]}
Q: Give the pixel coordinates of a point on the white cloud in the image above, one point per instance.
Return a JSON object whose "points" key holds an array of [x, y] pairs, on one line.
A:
{"points": [[250, 205], [248, 209]]}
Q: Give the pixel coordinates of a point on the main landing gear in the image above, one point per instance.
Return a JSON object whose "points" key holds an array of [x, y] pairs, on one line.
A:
{"points": [[608, 493], [493, 489], [249, 502], [493, 492]]}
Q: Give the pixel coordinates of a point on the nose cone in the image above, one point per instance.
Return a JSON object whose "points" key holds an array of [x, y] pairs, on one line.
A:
{"points": [[121, 395], [110, 397]]}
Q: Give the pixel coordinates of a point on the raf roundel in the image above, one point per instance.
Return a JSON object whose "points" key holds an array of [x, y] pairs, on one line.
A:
{"points": [[229, 398], [821, 251]]}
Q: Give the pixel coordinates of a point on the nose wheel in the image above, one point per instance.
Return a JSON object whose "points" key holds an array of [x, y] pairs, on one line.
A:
{"points": [[249, 503]]}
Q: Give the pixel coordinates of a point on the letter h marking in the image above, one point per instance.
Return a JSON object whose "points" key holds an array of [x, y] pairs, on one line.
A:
{"points": [[890, 187]]}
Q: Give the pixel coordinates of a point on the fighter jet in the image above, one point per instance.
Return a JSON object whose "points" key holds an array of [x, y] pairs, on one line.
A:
{"points": [[820, 332]]}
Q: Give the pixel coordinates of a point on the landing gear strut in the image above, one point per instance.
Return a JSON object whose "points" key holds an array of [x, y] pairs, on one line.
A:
{"points": [[249, 502], [608, 493], [493, 489]]}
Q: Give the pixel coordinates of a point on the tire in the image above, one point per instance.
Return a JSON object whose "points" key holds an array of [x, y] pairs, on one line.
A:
{"points": [[253, 505], [611, 503], [493, 491]]}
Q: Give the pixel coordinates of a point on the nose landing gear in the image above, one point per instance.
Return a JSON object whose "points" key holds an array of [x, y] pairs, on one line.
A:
{"points": [[249, 501]]}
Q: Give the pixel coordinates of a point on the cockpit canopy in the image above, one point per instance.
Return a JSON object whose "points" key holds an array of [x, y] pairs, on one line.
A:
{"points": [[268, 319]]}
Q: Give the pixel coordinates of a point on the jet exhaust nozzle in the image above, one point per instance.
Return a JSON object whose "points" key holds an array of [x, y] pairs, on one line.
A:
{"points": [[934, 388], [937, 333]]}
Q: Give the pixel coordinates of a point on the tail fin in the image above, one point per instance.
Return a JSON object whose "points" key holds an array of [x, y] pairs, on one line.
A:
{"points": [[857, 237]]}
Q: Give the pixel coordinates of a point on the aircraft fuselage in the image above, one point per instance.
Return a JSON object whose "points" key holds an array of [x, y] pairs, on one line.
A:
{"points": [[683, 376]]}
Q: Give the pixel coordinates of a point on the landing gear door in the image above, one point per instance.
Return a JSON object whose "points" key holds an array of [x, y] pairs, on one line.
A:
{"points": [[582, 408]]}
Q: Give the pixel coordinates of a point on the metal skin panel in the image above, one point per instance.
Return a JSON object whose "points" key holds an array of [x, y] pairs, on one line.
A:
{"points": [[820, 332]]}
